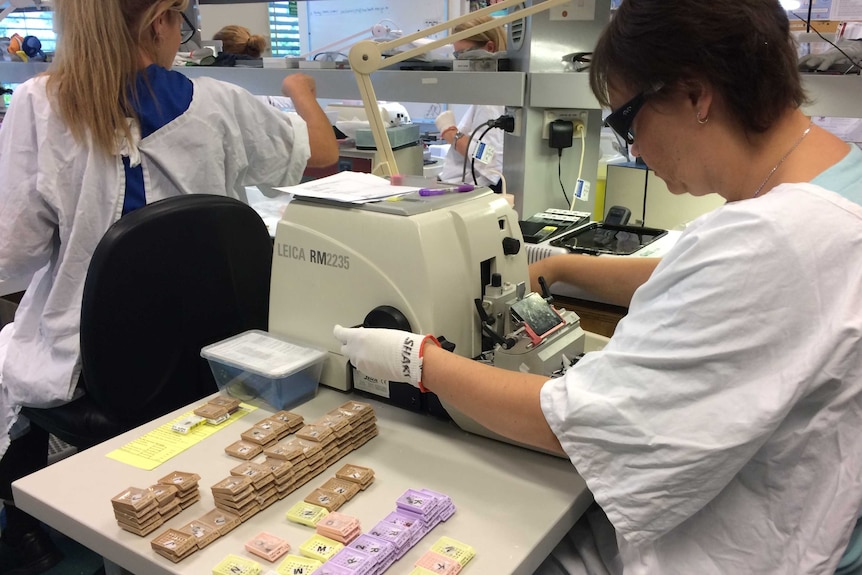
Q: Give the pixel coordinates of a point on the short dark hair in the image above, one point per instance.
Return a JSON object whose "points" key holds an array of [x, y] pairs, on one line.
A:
{"points": [[742, 47]]}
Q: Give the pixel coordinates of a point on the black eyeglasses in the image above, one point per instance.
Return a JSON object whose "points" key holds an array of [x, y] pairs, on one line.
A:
{"points": [[621, 119], [187, 31]]}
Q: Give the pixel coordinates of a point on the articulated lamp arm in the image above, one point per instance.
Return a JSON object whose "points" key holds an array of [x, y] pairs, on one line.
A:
{"points": [[366, 57]]}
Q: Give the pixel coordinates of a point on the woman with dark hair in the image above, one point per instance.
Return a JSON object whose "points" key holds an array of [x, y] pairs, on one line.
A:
{"points": [[718, 430]]}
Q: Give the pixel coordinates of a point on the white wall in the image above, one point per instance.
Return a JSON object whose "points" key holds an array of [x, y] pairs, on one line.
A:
{"points": [[256, 18], [328, 21]]}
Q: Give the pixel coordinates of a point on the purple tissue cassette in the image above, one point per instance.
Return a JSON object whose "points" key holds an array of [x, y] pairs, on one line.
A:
{"points": [[380, 549], [333, 569], [413, 523], [445, 506], [398, 535], [415, 501], [355, 561]]}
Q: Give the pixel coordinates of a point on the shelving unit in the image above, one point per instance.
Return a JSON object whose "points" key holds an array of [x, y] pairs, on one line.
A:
{"points": [[836, 96], [561, 90], [17, 72], [494, 88], [530, 168]]}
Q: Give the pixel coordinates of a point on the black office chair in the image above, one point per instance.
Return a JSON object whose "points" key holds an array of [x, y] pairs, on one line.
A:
{"points": [[164, 281]]}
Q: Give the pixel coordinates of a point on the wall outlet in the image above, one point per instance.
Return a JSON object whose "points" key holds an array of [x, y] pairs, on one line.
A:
{"points": [[574, 10], [518, 114], [575, 116]]}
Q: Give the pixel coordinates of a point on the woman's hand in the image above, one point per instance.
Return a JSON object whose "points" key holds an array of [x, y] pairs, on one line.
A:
{"points": [[302, 91], [298, 85]]}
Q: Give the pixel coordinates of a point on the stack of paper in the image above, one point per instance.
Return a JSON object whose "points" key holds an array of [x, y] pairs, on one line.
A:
{"points": [[350, 187]]}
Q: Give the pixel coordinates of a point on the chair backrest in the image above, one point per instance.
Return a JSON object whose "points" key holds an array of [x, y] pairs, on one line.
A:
{"points": [[165, 281]]}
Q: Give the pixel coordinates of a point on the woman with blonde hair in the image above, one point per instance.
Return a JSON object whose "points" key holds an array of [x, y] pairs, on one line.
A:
{"points": [[239, 41], [107, 129], [493, 40], [487, 174]]}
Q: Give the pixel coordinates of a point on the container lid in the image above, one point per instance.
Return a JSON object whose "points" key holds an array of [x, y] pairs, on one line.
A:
{"points": [[263, 353]]}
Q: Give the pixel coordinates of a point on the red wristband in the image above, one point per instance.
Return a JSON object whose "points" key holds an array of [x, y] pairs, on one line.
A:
{"points": [[422, 388]]}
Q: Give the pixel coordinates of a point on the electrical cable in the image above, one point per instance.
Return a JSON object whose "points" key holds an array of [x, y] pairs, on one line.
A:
{"points": [[502, 180], [394, 24], [504, 122], [583, 134], [330, 56], [467, 155], [834, 45], [473, 159], [560, 173]]}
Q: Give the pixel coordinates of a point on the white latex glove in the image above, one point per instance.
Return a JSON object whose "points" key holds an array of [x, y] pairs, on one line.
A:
{"points": [[445, 121], [388, 354], [833, 57]]}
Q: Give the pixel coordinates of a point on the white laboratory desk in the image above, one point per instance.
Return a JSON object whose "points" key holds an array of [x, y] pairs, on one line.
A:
{"points": [[513, 505]]}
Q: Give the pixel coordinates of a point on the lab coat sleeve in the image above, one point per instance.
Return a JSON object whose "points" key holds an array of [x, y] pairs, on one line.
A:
{"points": [[694, 380], [275, 143], [27, 222]]}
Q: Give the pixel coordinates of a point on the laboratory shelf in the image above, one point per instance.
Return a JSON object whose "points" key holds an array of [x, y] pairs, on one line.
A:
{"points": [[17, 72], [835, 96], [561, 90], [493, 88]]}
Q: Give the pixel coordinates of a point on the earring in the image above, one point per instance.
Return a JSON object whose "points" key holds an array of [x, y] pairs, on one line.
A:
{"points": [[702, 121]]}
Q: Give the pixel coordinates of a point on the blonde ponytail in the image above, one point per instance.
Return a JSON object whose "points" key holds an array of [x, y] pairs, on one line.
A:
{"points": [[239, 40]]}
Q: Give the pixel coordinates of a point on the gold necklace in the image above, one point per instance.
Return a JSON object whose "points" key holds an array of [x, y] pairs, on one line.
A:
{"points": [[784, 157]]}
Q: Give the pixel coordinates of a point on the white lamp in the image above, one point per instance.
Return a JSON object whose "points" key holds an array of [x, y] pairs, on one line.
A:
{"points": [[366, 57], [380, 31]]}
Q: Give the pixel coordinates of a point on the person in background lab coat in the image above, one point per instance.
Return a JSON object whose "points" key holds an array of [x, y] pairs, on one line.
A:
{"points": [[108, 129], [457, 136], [239, 41], [718, 430]]}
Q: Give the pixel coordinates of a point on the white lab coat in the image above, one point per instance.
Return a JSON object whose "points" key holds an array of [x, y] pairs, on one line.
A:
{"points": [[58, 197], [486, 174], [719, 428]]}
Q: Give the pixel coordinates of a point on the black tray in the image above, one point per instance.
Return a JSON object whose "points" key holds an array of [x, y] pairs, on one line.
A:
{"points": [[598, 238]]}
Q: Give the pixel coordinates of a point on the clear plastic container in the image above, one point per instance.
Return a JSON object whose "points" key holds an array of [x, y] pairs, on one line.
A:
{"points": [[258, 364]]}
